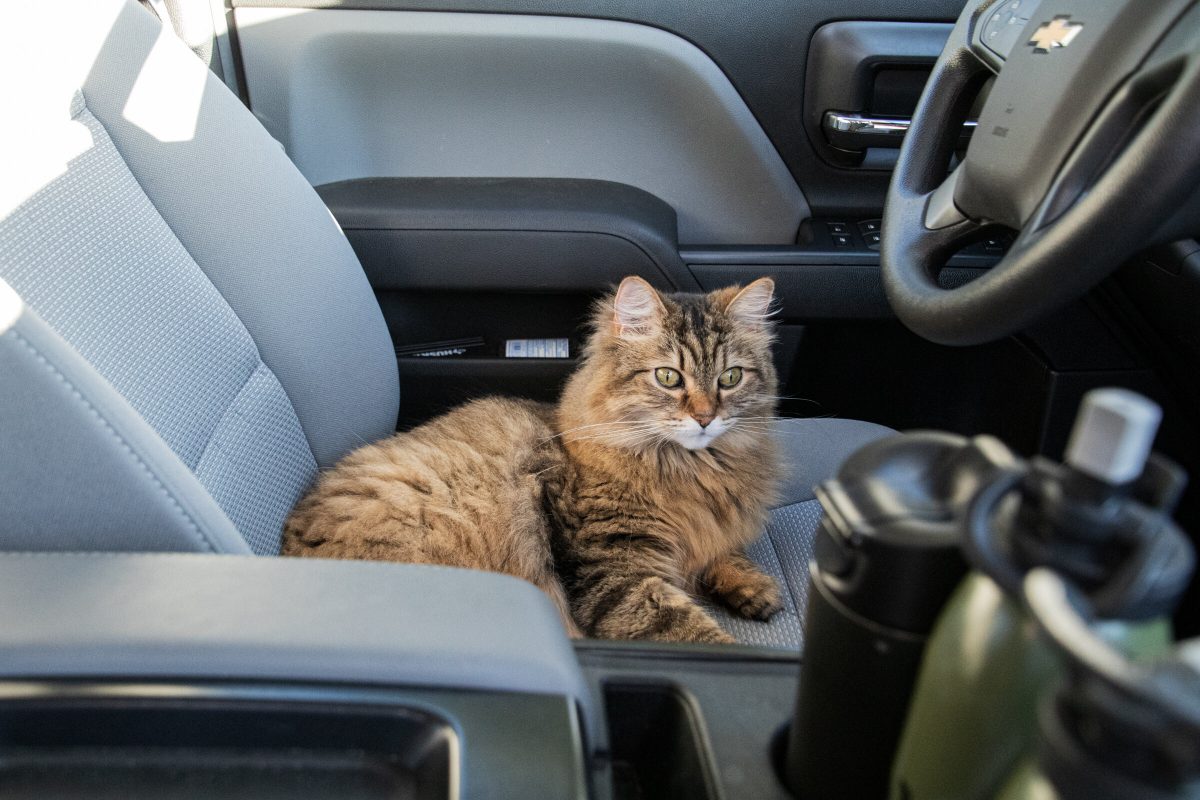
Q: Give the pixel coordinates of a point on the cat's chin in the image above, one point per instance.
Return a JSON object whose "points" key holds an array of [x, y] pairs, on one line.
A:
{"points": [[693, 437], [695, 441]]}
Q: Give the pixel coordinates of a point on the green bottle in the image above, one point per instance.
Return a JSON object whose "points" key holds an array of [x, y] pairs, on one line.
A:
{"points": [[1102, 521], [1028, 782], [1113, 728]]}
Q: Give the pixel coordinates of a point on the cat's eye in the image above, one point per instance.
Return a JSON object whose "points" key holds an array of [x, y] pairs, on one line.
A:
{"points": [[668, 377], [730, 378]]}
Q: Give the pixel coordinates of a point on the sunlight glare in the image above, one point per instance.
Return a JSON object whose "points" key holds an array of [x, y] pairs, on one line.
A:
{"points": [[165, 103]]}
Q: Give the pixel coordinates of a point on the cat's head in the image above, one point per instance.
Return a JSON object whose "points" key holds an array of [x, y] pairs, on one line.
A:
{"points": [[691, 370]]}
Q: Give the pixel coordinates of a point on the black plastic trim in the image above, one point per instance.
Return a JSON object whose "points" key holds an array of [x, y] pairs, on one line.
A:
{"points": [[433, 386], [507, 234], [803, 256], [816, 283], [813, 292]]}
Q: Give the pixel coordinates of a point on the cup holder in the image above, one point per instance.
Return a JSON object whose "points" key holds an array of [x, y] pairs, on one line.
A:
{"points": [[658, 747]]}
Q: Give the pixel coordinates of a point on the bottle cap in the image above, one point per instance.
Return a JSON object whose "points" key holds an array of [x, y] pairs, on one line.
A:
{"points": [[1113, 435]]}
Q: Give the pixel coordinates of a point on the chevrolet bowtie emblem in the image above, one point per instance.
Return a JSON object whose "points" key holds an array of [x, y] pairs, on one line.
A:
{"points": [[1058, 33]]}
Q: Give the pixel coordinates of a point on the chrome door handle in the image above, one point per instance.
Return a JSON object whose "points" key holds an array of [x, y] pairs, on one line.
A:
{"points": [[856, 132]]}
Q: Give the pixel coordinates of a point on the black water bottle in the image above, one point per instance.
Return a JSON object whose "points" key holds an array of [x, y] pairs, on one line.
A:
{"points": [[887, 558]]}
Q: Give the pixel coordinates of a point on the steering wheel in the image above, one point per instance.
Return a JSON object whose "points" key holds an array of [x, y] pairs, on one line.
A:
{"points": [[1088, 147]]}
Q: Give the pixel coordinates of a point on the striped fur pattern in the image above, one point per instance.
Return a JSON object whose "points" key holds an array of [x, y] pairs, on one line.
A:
{"points": [[463, 490], [623, 503], [650, 515]]}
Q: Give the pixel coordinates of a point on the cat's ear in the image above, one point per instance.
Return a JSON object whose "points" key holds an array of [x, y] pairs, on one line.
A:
{"points": [[752, 305], [637, 308]]}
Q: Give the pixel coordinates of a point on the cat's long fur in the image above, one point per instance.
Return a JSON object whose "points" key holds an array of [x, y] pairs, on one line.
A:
{"points": [[613, 503], [462, 490]]}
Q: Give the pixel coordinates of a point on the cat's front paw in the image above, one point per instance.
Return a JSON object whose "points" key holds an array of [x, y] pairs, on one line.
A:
{"points": [[757, 598]]}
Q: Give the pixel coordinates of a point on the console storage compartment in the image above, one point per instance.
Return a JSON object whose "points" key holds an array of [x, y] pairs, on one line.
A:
{"points": [[222, 749]]}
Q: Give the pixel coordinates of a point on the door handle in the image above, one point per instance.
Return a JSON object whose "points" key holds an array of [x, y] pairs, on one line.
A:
{"points": [[856, 132]]}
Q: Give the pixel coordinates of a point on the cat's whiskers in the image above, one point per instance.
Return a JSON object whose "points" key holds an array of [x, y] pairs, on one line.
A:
{"points": [[630, 438], [596, 425], [621, 425], [767, 424], [615, 435]]}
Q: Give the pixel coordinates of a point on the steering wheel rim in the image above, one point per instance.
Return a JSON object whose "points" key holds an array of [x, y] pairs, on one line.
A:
{"points": [[1130, 153]]}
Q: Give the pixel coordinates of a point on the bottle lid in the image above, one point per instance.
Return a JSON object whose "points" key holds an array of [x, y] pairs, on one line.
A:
{"points": [[1113, 435]]}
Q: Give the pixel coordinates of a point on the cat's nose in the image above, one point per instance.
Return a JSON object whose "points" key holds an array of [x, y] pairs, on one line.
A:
{"points": [[704, 418]]}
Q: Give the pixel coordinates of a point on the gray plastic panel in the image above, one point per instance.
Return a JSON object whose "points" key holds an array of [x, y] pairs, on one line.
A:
{"points": [[362, 93], [218, 740]]}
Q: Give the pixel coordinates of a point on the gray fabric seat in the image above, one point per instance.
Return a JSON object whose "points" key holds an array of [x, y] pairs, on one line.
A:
{"points": [[178, 295], [186, 337], [813, 450]]}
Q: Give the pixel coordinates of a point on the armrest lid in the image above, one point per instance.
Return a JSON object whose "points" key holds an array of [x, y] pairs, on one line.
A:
{"points": [[176, 616]]}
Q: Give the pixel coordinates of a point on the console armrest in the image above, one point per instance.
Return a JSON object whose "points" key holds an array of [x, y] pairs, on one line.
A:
{"points": [[177, 616]]}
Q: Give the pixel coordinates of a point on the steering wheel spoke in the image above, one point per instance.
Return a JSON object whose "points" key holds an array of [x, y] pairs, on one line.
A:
{"points": [[942, 243]]}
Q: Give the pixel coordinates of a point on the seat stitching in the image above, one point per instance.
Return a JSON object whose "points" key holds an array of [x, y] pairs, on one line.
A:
{"points": [[116, 435], [225, 414]]}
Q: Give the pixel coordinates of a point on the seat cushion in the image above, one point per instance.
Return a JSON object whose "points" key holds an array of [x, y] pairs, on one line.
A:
{"points": [[813, 449]]}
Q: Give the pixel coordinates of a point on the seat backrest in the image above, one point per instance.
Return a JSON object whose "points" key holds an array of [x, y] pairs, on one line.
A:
{"points": [[186, 337]]}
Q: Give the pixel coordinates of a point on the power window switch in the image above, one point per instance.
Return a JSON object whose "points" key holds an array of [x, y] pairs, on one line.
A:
{"points": [[838, 228], [873, 240], [870, 226], [842, 240]]}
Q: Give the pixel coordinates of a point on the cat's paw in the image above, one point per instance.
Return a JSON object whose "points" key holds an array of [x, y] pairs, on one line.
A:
{"points": [[757, 598]]}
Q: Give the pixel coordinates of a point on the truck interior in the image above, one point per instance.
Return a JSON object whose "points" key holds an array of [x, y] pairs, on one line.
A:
{"points": [[240, 238]]}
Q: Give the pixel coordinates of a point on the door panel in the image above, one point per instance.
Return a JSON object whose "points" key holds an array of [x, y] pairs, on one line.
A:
{"points": [[358, 93], [761, 45]]}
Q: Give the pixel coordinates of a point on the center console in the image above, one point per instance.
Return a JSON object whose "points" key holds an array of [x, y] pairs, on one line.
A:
{"points": [[188, 676], [139, 675], [134, 675]]}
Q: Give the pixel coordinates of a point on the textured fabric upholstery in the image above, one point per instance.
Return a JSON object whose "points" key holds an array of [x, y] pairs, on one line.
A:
{"points": [[96, 260], [254, 225], [257, 464], [813, 450], [80, 469], [148, 220]]}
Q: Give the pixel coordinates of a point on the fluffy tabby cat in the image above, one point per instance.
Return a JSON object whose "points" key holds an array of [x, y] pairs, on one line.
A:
{"points": [[637, 491]]}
